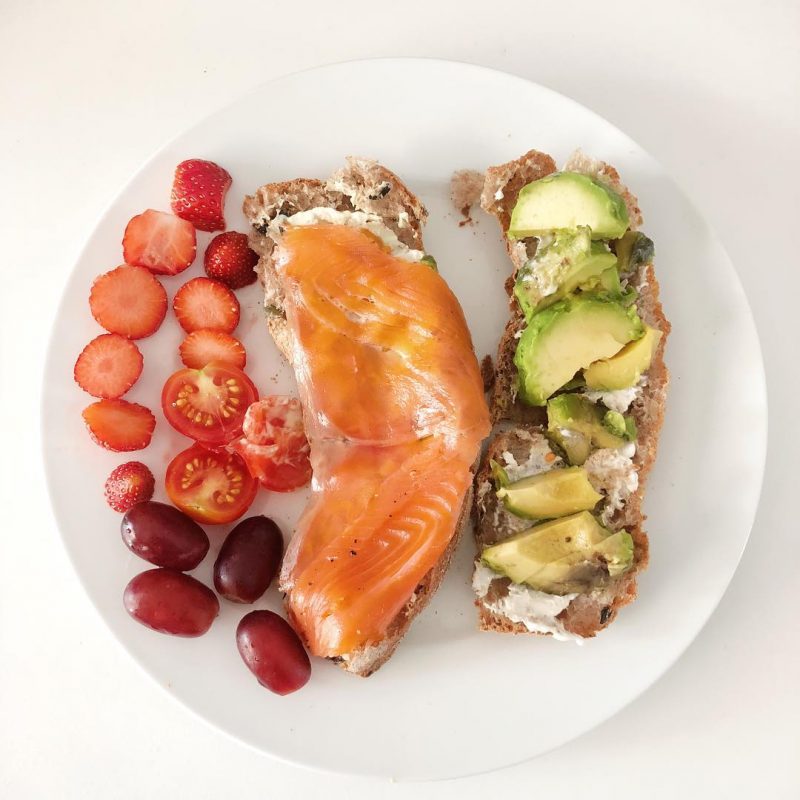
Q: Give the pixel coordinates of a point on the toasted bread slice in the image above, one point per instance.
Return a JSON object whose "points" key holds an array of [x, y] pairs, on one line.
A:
{"points": [[367, 186], [587, 613]]}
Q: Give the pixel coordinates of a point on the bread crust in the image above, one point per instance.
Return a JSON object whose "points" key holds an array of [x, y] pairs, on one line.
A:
{"points": [[591, 612], [360, 186]]}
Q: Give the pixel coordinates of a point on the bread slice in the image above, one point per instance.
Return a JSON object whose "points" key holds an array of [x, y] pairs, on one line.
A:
{"points": [[363, 185], [591, 612]]}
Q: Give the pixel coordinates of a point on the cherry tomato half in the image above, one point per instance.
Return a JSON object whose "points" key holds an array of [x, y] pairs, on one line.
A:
{"points": [[274, 445], [208, 404], [210, 487]]}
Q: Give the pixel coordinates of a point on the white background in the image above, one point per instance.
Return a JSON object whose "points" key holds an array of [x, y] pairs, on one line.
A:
{"points": [[89, 89]]}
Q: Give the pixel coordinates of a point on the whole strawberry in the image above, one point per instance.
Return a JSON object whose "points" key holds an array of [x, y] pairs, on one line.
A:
{"points": [[198, 193], [129, 484], [230, 260]]}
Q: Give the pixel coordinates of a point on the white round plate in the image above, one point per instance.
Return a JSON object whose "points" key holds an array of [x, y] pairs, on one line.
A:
{"points": [[451, 701]]}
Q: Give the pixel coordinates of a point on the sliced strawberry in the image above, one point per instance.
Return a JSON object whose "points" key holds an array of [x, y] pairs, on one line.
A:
{"points": [[119, 425], [204, 347], [159, 241], [108, 366], [229, 259], [128, 301], [129, 484], [198, 193], [203, 303]]}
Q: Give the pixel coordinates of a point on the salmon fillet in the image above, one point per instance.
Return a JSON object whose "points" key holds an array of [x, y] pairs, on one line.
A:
{"points": [[395, 414]]}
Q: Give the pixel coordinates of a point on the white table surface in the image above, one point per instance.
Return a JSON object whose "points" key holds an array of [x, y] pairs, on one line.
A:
{"points": [[89, 89]]}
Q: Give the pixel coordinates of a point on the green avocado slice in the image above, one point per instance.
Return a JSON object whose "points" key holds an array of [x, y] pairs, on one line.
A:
{"points": [[626, 367], [571, 554], [568, 200], [576, 425], [568, 336], [567, 261], [550, 494]]}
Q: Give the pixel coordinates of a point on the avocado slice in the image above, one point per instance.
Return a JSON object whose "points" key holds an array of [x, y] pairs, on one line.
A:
{"points": [[568, 336], [614, 423], [429, 261], [567, 200], [499, 475], [523, 554], [576, 383], [570, 260], [606, 282], [619, 425], [550, 494], [577, 573], [571, 554], [617, 550], [576, 424], [626, 367], [633, 250], [576, 445]]}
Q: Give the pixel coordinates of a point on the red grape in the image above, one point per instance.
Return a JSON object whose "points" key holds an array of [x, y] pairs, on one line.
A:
{"points": [[248, 560], [164, 536], [170, 602], [273, 652]]}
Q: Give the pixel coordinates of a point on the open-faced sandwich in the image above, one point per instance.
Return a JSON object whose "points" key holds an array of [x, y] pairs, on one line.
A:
{"points": [[578, 401], [392, 399]]}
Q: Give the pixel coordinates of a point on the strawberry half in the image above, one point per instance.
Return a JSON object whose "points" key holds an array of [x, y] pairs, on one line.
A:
{"points": [[204, 347], [108, 366], [159, 241], [119, 425], [229, 259], [129, 484], [128, 301], [198, 193], [203, 303]]}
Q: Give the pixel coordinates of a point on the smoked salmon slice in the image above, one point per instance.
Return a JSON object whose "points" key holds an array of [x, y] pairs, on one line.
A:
{"points": [[395, 414]]}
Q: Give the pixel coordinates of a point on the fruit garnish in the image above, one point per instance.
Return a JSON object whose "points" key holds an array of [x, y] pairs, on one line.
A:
{"points": [[203, 347], [159, 241], [205, 304], [208, 404], [248, 560], [210, 487], [108, 366], [274, 444], [273, 652], [128, 301], [170, 602], [119, 425], [129, 484], [198, 193], [229, 259], [164, 536]]}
